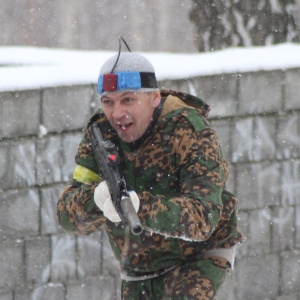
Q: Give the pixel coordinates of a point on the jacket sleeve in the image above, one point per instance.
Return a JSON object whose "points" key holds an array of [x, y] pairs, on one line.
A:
{"points": [[76, 209], [195, 213]]}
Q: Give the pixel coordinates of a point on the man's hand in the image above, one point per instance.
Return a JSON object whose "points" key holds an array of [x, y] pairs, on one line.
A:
{"points": [[103, 200]]}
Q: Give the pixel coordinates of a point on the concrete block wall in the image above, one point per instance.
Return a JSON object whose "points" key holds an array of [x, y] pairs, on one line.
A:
{"points": [[257, 117], [40, 131]]}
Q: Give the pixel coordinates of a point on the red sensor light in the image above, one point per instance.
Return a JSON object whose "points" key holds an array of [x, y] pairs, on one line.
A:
{"points": [[110, 82]]}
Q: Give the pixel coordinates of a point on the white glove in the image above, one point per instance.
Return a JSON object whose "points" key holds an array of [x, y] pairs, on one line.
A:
{"points": [[103, 200]]}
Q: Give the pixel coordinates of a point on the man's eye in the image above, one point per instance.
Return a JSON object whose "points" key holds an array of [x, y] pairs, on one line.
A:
{"points": [[128, 100], [106, 102]]}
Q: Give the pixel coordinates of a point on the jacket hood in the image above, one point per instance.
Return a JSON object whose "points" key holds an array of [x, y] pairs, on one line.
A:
{"points": [[187, 99]]}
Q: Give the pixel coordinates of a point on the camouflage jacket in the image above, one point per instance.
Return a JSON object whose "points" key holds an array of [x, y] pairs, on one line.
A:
{"points": [[179, 174]]}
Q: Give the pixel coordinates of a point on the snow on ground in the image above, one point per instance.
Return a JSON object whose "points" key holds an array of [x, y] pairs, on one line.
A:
{"points": [[23, 68]]}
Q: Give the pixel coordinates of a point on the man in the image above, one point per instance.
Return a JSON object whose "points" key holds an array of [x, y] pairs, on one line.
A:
{"points": [[173, 166]]}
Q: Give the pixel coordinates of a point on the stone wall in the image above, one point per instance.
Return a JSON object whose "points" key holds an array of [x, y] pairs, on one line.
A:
{"points": [[257, 117]]}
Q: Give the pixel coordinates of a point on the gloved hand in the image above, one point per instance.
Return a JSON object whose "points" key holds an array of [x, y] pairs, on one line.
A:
{"points": [[103, 200]]}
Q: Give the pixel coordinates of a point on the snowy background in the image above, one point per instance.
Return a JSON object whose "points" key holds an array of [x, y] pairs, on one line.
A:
{"points": [[46, 97], [48, 92]]}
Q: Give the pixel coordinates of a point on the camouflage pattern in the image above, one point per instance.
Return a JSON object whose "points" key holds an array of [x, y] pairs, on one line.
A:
{"points": [[180, 175], [197, 279]]}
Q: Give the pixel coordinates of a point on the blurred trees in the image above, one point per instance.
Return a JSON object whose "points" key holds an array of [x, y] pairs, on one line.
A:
{"points": [[225, 23]]}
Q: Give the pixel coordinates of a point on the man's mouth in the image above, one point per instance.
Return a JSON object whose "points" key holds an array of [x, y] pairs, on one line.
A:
{"points": [[123, 126]]}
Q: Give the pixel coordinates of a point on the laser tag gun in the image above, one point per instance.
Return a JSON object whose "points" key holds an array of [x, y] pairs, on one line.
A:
{"points": [[108, 162]]}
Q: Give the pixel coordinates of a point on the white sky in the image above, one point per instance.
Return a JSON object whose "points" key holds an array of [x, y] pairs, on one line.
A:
{"points": [[23, 68]]}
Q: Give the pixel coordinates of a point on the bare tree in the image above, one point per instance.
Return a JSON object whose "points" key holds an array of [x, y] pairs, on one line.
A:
{"points": [[225, 23]]}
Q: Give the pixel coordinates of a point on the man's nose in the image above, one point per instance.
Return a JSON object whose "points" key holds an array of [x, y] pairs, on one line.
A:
{"points": [[118, 111]]}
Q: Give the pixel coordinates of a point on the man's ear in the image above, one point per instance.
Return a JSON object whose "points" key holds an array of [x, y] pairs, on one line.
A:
{"points": [[156, 97]]}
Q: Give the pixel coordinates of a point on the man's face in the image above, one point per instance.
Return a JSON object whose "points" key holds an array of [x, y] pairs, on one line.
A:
{"points": [[130, 113]]}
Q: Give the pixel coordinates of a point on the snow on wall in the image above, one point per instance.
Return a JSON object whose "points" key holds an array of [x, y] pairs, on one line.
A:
{"points": [[25, 68]]}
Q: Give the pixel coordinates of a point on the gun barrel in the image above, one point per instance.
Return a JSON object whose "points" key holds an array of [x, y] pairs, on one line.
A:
{"points": [[131, 216]]}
